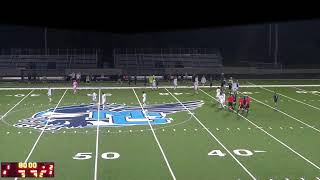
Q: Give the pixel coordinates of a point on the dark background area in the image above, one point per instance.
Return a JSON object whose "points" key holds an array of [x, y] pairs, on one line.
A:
{"points": [[298, 38]]}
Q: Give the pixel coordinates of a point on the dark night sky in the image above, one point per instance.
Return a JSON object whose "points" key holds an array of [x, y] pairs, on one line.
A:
{"points": [[299, 42]]}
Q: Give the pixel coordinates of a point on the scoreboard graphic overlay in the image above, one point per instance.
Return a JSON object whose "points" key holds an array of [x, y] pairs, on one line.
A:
{"points": [[27, 169]]}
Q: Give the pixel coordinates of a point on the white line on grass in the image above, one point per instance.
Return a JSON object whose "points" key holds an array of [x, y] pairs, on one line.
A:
{"points": [[97, 142], [305, 90], [285, 114], [160, 87], [286, 96], [15, 105], [35, 144], [273, 137], [244, 168], [155, 137]]}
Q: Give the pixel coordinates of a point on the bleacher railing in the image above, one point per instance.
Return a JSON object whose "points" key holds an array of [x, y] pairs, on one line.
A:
{"points": [[48, 51], [165, 51]]}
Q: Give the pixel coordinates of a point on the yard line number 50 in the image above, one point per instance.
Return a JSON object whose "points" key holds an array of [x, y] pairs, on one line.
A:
{"points": [[88, 155]]}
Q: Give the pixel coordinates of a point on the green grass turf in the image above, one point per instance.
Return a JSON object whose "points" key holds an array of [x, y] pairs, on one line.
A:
{"points": [[184, 141]]}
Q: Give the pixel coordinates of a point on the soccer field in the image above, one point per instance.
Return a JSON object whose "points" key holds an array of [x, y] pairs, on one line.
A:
{"points": [[188, 137]]}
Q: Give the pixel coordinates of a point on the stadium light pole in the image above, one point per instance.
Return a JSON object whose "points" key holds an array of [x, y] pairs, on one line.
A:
{"points": [[269, 47], [276, 46], [45, 39]]}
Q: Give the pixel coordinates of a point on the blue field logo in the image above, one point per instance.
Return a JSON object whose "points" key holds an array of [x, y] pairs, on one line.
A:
{"points": [[113, 115]]}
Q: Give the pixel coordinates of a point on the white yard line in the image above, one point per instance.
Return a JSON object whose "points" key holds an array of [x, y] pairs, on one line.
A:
{"points": [[306, 90], [274, 138], [15, 105], [161, 87], [286, 96], [35, 144], [97, 143], [216, 139], [285, 114], [155, 137]]}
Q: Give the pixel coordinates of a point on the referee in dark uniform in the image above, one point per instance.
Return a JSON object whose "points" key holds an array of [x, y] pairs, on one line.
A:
{"points": [[275, 100]]}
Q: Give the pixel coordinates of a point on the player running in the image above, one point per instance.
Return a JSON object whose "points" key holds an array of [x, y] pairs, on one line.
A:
{"points": [[196, 84], [235, 86], [244, 104], [49, 94], [203, 80], [247, 105], [211, 81], [175, 83], [230, 102], [230, 82], [241, 104], [104, 101], [223, 83], [218, 93], [222, 99], [74, 86], [275, 100], [234, 99], [154, 84], [94, 97], [144, 98]]}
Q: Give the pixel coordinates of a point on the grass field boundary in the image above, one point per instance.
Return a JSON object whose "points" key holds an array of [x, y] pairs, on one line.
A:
{"points": [[287, 97], [97, 142], [270, 135], [244, 168], [306, 124], [36, 142], [3, 116], [155, 137], [160, 87]]}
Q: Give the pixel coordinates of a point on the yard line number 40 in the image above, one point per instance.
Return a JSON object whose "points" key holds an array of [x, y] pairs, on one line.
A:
{"points": [[238, 152]]}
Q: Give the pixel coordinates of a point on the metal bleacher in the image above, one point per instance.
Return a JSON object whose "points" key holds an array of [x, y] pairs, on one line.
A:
{"points": [[144, 60], [44, 61], [47, 59]]}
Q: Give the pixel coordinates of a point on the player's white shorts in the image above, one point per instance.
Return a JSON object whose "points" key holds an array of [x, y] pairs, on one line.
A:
{"points": [[144, 100], [222, 101], [234, 89]]}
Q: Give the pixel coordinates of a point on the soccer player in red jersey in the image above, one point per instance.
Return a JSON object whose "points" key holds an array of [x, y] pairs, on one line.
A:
{"points": [[230, 102], [247, 105], [241, 103]]}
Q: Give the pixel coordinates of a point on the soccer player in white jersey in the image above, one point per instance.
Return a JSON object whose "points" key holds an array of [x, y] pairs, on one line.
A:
{"points": [[222, 99], [154, 84], [196, 84], [203, 80], [218, 93], [234, 87], [49, 94], [104, 101], [144, 98], [78, 77], [74, 86], [175, 82], [94, 97]]}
